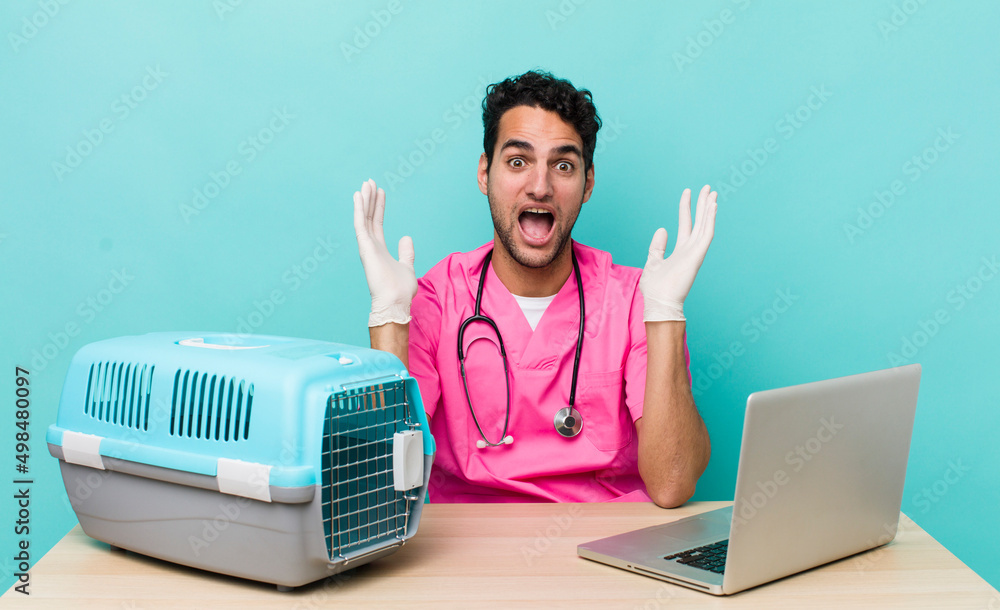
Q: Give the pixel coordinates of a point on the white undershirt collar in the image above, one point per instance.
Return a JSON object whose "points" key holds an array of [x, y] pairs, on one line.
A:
{"points": [[533, 307]]}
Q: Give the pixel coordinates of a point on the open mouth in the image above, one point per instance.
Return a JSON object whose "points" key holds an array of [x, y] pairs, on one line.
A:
{"points": [[536, 224]]}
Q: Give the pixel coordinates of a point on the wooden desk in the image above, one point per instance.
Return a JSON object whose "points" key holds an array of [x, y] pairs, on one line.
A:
{"points": [[507, 556]]}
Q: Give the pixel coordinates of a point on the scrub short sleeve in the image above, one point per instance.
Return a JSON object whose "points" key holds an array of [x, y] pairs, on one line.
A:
{"points": [[426, 316], [635, 361]]}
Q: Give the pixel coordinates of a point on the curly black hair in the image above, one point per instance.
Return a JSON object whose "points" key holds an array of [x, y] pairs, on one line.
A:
{"points": [[541, 89]]}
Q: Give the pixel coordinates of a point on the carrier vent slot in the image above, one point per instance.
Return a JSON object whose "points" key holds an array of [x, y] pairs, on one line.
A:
{"points": [[119, 393], [210, 407], [361, 508]]}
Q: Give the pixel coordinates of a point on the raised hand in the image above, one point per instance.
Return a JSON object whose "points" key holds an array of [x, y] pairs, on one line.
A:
{"points": [[391, 283], [665, 282]]}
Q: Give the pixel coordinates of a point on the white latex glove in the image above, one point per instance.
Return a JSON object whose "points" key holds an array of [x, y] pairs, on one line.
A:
{"points": [[391, 283], [665, 283]]}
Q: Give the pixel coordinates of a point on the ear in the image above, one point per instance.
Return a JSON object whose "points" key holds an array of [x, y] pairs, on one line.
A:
{"points": [[483, 176], [588, 187]]}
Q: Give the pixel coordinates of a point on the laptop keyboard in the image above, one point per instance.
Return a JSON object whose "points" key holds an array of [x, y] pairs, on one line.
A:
{"points": [[711, 557]]}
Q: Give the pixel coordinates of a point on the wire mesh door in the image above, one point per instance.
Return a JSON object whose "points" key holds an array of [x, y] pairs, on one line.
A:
{"points": [[361, 508]]}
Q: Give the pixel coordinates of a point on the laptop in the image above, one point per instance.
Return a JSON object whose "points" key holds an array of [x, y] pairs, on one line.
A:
{"points": [[820, 477]]}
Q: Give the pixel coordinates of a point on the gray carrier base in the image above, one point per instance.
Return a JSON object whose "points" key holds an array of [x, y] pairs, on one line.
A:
{"points": [[135, 507]]}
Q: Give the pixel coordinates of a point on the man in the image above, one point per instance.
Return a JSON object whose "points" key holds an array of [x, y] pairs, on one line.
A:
{"points": [[632, 431]]}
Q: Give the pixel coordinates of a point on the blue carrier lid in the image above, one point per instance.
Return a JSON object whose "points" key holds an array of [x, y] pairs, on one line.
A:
{"points": [[231, 406]]}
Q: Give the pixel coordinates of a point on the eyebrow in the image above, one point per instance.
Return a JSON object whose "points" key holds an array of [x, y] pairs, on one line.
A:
{"points": [[562, 150]]}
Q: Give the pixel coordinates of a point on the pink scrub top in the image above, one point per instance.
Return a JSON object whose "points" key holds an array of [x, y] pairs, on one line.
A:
{"points": [[599, 464]]}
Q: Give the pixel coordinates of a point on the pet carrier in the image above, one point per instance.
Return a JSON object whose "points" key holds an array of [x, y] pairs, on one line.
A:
{"points": [[269, 458]]}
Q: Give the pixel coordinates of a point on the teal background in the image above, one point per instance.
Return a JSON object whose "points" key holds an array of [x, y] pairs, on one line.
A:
{"points": [[669, 124]]}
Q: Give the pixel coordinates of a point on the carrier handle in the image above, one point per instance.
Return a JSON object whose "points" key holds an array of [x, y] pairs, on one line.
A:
{"points": [[200, 342]]}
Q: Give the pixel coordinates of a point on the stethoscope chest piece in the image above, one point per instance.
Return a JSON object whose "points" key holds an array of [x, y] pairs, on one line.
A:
{"points": [[568, 422]]}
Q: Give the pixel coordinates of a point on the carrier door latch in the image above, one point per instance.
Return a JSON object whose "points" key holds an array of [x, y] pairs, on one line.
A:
{"points": [[407, 460]]}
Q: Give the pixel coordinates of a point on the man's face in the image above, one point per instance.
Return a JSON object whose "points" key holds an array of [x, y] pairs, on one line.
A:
{"points": [[536, 184]]}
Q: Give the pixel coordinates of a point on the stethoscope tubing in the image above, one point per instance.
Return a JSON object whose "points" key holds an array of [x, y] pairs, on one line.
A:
{"points": [[478, 316]]}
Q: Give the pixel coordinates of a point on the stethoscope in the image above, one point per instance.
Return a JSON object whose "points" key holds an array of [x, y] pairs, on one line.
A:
{"points": [[567, 420]]}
